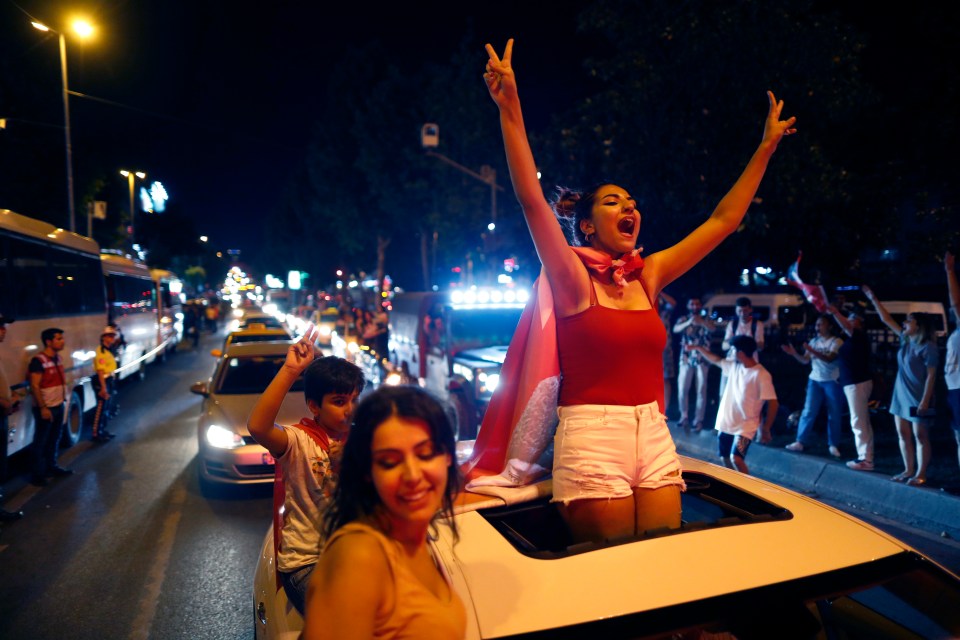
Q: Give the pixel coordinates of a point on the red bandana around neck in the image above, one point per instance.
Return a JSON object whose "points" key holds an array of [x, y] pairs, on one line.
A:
{"points": [[606, 268]]}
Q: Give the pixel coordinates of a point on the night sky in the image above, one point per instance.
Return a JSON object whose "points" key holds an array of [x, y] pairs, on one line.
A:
{"points": [[216, 99]]}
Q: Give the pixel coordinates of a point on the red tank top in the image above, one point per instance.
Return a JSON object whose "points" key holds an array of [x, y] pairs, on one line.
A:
{"points": [[611, 356]]}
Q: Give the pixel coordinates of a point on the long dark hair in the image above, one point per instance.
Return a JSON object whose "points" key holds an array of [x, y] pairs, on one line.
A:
{"points": [[355, 497]]}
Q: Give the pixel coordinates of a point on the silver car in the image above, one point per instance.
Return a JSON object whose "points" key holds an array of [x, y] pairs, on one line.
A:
{"points": [[227, 452]]}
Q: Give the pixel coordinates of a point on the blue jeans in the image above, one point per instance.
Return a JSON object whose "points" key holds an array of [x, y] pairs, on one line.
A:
{"points": [[46, 441], [817, 392], [295, 584]]}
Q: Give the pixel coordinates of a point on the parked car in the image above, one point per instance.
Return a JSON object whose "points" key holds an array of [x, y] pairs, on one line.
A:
{"points": [[227, 453], [751, 560]]}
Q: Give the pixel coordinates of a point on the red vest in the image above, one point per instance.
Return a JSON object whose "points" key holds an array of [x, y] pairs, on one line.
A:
{"points": [[53, 384]]}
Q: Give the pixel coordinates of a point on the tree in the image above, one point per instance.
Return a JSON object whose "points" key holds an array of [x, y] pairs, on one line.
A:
{"points": [[678, 107]]}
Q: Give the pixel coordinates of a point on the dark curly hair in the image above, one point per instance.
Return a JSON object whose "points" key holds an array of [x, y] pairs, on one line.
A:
{"points": [[355, 496], [573, 207]]}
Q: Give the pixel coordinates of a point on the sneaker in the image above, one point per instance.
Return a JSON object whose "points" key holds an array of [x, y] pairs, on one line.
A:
{"points": [[794, 446], [835, 452], [860, 465]]}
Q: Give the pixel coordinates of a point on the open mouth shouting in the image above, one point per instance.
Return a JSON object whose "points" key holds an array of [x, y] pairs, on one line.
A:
{"points": [[627, 226]]}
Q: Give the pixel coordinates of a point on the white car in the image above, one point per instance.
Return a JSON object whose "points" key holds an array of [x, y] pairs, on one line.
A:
{"points": [[752, 560], [227, 452]]}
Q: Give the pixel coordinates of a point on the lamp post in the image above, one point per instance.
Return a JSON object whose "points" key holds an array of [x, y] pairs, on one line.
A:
{"points": [[84, 30], [130, 175]]}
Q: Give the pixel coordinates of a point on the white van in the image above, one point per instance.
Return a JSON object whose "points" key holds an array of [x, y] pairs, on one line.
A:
{"points": [[900, 308], [775, 310]]}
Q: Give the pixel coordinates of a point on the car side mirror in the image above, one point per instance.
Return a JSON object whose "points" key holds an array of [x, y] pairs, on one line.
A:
{"points": [[200, 388], [216, 353]]}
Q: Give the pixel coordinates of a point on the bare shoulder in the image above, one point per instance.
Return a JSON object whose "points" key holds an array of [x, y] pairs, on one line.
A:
{"points": [[361, 550]]}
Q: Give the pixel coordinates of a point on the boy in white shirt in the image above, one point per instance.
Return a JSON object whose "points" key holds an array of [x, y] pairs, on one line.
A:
{"points": [[307, 454], [749, 386]]}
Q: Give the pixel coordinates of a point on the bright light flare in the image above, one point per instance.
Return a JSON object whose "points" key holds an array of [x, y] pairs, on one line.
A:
{"points": [[82, 28], [40, 26]]}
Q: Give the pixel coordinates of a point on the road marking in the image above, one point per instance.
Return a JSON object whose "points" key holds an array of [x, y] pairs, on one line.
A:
{"points": [[147, 608]]}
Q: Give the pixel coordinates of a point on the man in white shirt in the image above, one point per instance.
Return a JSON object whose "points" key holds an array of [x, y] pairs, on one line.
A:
{"points": [[744, 323]]}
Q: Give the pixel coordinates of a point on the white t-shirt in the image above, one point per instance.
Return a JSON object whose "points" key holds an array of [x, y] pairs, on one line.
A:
{"points": [[743, 398], [821, 370], [309, 483], [951, 366]]}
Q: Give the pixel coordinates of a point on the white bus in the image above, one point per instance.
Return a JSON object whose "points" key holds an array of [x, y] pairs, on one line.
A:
{"points": [[48, 278], [170, 300], [132, 306]]}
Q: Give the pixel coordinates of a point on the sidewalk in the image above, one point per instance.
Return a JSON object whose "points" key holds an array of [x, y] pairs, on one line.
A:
{"points": [[930, 509]]}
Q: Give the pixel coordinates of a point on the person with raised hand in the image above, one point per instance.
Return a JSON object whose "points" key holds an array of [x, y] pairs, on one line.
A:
{"points": [[912, 402], [615, 471], [307, 454]]}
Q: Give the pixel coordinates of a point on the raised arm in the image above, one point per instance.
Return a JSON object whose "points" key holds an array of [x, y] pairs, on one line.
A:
{"points": [[881, 310], [706, 353], [262, 421], [841, 319], [561, 264], [666, 266], [953, 286]]}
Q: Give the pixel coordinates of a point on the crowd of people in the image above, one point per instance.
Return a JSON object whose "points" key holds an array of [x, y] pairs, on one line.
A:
{"points": [[842, 372]]}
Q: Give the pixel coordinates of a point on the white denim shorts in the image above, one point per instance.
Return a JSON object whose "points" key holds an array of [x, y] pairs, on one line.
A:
{"points": [[604, 451]]}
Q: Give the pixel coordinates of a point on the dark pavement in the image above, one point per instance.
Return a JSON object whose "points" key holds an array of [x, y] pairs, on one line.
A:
{"points": [[931, 509]]}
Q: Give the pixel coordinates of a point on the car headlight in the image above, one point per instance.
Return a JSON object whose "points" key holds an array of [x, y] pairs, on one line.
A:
{"points": [[488, 382], [353, 347], [325, 330], [393, 379], [221, 438]]}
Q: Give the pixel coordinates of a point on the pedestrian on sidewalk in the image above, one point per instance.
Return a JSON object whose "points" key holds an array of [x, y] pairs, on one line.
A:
{"points": [[951, 366], [665, 306], [749, 387], [912, 403], [821, 354], [856, 379], [48, 385], [104, 364], [744, 323], [694, 329]]}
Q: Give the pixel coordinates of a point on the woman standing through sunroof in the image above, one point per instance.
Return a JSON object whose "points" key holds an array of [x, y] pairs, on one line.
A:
{"points": [[616, 471]]}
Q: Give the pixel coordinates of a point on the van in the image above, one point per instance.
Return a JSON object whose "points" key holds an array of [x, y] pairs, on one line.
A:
{"points": [[899, 310], [787, 311]]}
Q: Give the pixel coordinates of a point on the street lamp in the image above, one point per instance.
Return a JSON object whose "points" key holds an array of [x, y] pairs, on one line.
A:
{"points": [[430, 139], [130, 175], [84, 30]]}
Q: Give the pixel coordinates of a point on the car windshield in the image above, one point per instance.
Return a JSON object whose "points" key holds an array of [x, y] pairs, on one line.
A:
{"points": [[471, 328], [256, 337], [251, 374]]}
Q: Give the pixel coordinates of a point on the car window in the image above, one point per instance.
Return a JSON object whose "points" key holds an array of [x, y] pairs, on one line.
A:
{"points": [[250, 374], [256, 337]]}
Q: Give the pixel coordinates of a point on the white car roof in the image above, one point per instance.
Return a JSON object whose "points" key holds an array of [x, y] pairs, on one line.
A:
{"points": [[515, 593]]}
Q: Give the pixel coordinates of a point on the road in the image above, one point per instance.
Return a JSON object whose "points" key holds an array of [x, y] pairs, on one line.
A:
{"points": [[130, 548]]}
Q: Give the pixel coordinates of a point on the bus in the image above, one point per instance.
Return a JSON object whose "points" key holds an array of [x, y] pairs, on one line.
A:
{"points": [[170, 300], [49, 277], [132, 307]]}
